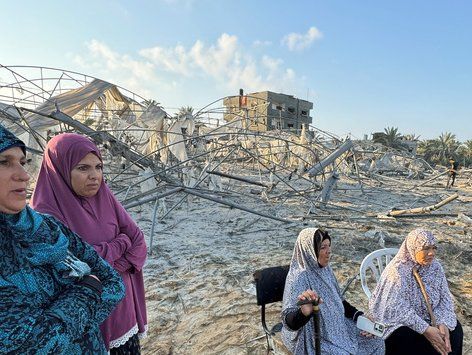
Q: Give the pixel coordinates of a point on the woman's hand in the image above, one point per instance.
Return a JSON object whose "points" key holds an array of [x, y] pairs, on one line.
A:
{"points": [[445, 335], [435, 338], [309, 295], [367, 334]]}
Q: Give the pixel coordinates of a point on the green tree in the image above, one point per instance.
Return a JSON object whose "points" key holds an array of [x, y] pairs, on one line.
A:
{"points": [[411, 137], [465, 153], [390, 137], [439, 150], [184, 111]]}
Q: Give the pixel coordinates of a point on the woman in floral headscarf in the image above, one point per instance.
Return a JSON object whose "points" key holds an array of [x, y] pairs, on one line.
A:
{"points": [[311, 276], [417, 322], [54, 289]]}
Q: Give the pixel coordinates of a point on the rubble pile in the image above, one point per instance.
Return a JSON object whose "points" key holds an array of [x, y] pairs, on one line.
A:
{"points": [[218, 201]]}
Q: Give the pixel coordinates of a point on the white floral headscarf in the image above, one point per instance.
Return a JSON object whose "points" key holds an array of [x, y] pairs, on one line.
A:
{"points": [[397, 300]]}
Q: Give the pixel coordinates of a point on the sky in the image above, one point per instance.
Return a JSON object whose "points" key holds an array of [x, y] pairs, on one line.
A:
{"points": [[365, 65]]}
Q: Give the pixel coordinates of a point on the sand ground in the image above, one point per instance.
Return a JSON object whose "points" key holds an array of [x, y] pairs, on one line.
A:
{"points": [[199, 289]]}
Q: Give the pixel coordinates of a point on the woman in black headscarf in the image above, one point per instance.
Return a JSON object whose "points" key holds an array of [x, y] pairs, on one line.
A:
{"points": [[311, 276]]}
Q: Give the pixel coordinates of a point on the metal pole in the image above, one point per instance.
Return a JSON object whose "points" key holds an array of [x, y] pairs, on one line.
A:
{"points": [[154, 212]]}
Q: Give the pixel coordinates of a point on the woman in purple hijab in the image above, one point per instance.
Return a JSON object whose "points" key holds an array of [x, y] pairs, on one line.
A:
{"points": [[70, 187]]}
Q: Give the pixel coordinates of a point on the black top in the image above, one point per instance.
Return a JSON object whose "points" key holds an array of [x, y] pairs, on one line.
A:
{"points": [[295, 320]]}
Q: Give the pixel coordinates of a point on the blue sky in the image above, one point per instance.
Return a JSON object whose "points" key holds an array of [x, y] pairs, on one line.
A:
{"points": [[366, 65]]}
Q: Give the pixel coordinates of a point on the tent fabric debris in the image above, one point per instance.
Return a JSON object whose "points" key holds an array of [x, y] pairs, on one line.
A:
{"points": [[223, 177]]}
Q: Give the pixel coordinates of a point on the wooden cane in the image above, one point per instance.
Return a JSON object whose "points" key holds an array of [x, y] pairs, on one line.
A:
{"points": [[425, 295], [316, 321]]}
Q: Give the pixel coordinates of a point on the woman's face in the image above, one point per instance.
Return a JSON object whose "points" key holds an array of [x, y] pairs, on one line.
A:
{"points": [[426, 255], [86, 176], [13, 180], [325, 253]]}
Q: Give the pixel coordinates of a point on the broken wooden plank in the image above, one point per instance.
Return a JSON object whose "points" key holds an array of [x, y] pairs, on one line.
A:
{"points": [[423, 209]]}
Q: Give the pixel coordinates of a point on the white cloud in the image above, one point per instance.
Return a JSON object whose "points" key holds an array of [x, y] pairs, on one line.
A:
{"points": [[258, 43], [226, 62], [121, 69], [297, 42], [222, 67]]}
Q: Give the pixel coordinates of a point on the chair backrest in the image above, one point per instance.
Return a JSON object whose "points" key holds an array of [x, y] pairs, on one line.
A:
{"points": [[270, 284], [376, 262]]}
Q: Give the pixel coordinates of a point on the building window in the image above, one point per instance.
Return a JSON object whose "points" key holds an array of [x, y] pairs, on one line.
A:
{"points": [[291, 110], [289, 125], [304, 113]]}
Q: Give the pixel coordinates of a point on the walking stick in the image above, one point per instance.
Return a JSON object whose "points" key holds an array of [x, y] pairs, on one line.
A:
{"points": [[316, 322]]}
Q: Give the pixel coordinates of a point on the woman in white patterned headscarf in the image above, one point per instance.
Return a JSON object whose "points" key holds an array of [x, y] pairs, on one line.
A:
{"points": [[399, 303], [311, 276]]}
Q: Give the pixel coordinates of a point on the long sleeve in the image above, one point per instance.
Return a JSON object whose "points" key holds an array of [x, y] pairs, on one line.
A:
{"points": [[136, 254], [350, 311], [123, 265], [113, 250], [391, 305], [296, 319], [51, 329], [444, 311], [113, 288]]}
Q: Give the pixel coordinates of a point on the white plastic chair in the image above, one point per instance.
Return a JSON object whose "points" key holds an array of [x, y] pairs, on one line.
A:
{"points": [[376, 262]]}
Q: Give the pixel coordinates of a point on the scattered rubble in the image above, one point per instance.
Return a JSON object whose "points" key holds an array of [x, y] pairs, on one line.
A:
{"points": [[218, 201]]}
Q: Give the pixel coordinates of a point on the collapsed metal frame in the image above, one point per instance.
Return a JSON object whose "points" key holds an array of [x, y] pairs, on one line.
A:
{"points": [[236, 151]]}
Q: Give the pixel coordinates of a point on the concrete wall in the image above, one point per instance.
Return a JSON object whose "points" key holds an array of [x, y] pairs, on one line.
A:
{"points": [[266, 110]]}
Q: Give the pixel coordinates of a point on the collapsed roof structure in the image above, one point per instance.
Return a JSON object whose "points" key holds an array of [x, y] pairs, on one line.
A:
{"points": [[163, 161]]}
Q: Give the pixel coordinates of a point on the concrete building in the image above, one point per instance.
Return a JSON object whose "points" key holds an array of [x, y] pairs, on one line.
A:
{"points": [[267, 110]]}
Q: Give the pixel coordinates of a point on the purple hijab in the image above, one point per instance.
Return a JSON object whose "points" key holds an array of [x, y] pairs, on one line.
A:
{"points": [[101, 221]]}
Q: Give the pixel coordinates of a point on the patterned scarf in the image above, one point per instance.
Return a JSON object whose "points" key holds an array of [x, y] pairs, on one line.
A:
{"points": [[24, 246], [397, 300], [305, 273], [8, 140]]}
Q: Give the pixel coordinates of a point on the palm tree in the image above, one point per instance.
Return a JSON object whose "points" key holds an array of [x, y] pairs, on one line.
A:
{"points": [[389, 138], [439, 150], [184, 111], [430, 149], [392, 136], [411, 137], [465, 150], [448, 145]]}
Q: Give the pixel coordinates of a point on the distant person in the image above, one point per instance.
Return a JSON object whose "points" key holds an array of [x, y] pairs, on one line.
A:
{"points": [[309, 277], [399, 303], [54, 289], [453, 168], [70, 187]]}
